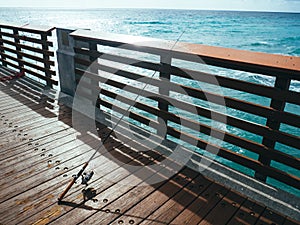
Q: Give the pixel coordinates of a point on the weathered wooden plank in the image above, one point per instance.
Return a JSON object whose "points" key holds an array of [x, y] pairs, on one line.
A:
{"points": [[20, 154], [174, 206], [61, 167], [41, 162], [27, 120], [152, 202], [29, 108], [22, 123], [36, 110], [270, 217], [229, 205], [43, 142], [111, 192], [100, 184], [202, 205], [247, 214], [22, 94], [37, 201], [289, 221], [65, 119], [20, 99], [45, 176], [13, 116], [27, 130], [35, 134], [121, 198], [57, 181], [15, 89], [161, 206], [19, 86], [36, 113]]}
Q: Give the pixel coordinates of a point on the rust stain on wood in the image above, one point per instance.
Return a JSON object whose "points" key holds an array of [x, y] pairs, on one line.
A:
{"points": [[25, 174], [53, 212]]}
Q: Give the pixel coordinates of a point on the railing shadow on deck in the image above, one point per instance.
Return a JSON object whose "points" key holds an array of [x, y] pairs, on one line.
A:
{"points": [[138, 159], [31, 94], [94, 60], [195, 189]]}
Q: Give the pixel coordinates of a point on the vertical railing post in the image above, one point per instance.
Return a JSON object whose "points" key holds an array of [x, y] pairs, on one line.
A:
{"points": [[2, 50], [165, 74], [18, 49], [281, 84], [65, 60], [94, 69], [47, 66]]}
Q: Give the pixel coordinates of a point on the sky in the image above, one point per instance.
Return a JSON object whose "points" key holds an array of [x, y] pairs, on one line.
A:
{"points": [[248, 5]]}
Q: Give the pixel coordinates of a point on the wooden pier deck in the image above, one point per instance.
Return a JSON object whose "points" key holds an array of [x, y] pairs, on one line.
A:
{"points": [[40, 151]]}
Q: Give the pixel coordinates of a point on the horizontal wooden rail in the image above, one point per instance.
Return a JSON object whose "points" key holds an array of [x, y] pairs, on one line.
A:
{"points": [[230, 120], [230, 138], [29, 56], [226, 82], [239, 85], [26, 38], [35, 29], [26, 48], [29, 64], [248, 107], [227, 154], [30, 72], [263, 63], [121, 74]]}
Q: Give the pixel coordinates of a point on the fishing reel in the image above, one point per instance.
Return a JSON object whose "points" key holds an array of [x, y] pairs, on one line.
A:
{"points": [[85, 177]]}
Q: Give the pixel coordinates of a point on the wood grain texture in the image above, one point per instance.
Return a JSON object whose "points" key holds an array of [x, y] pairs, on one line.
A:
{"points": [[38, 164]]}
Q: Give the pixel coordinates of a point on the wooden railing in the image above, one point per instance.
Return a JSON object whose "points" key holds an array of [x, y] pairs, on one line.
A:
{"points": [[27, 49], [260, 133]]}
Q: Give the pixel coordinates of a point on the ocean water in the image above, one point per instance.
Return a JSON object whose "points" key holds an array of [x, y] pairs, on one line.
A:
{"points": [[277, 33], [257, 31]]}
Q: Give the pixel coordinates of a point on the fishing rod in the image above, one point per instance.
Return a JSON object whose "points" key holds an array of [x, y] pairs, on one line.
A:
{"points": [[88, 176]]}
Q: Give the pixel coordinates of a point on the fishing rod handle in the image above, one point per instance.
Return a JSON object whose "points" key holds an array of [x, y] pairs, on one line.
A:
{"points": [[67, 189], [72, 182]]}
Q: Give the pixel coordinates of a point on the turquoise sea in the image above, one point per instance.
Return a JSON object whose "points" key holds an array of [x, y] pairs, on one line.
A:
{"points": [[257, 31], [268, 32]]}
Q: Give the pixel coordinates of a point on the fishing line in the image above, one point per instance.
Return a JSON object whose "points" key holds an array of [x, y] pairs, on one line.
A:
{"points": [[113, 129], [129, 108]]}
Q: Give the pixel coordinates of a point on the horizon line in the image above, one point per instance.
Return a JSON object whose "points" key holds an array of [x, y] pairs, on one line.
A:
{"points": [[149, 8]]}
